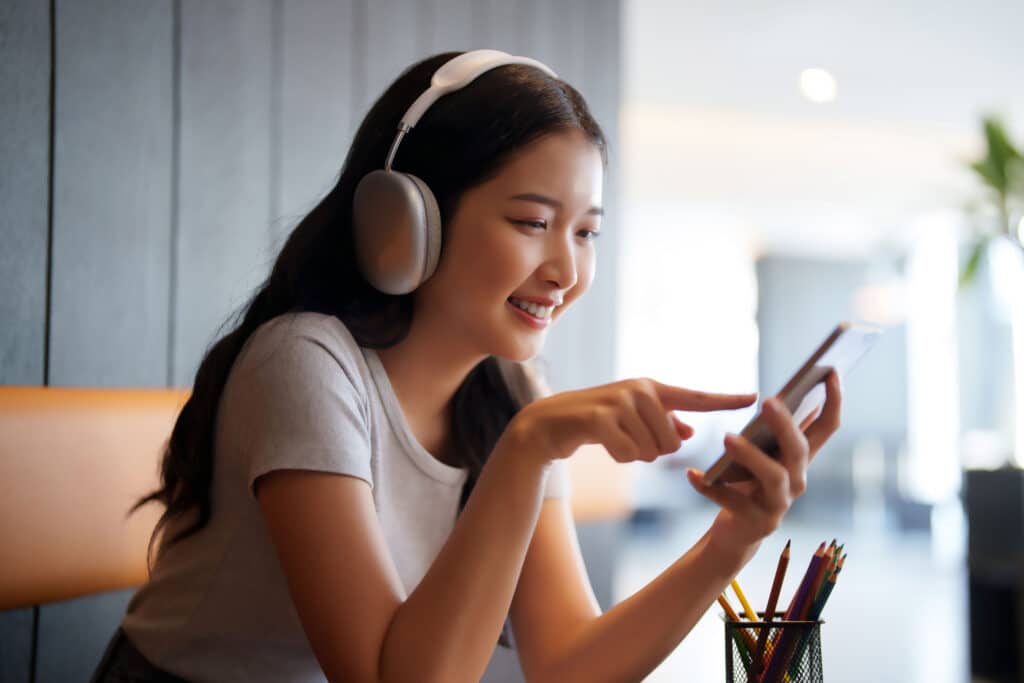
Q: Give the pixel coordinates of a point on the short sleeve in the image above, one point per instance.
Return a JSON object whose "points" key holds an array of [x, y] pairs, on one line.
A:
{"points": [[298, 404]]}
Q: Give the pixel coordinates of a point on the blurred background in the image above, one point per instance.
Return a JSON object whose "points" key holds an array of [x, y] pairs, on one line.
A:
{"points": [[775, 168]]}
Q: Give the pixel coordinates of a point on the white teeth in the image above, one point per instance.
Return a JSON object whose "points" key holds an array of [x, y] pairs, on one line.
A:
{"points": [[533, 309]]}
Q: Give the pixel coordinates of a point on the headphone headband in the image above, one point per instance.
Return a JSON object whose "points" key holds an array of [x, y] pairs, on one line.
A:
{"points": [[454, 74]]}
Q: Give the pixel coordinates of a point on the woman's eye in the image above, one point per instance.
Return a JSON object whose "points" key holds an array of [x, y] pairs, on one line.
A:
{"points": [[532, 224], [588, 235]]}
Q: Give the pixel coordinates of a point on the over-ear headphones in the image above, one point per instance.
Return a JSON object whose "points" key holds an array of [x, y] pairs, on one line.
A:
{"points": [[396, 222]]}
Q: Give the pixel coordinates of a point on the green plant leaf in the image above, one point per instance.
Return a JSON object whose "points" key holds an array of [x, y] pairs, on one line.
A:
{"points": [[1015, 177], [971, 266], [991, 174], [996, 168]]}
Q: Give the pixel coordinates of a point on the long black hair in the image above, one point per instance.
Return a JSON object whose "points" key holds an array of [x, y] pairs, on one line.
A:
{"points": [[460, 142]]}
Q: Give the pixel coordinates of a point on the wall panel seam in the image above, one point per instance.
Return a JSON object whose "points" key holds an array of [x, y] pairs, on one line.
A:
{"points": [[51, 136]]}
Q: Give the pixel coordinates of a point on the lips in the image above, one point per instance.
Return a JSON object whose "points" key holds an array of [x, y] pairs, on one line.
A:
{"points": [[540, 301]]}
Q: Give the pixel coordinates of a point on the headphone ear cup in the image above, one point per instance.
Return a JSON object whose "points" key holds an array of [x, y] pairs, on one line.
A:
{"points": [[396, 228], [431, 219]]}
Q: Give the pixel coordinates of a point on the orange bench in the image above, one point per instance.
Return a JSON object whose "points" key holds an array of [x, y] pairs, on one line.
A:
{"points": [[73, 461]]}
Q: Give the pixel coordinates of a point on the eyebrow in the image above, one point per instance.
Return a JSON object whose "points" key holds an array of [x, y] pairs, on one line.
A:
{"points": [[542, 199]]}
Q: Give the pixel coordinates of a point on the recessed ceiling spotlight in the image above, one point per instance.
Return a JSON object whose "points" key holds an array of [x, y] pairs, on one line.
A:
{"points": [[817, 85]]}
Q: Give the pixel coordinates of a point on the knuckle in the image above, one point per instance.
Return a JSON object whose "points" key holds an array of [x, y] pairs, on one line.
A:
{"points": [[777, 477], [625, 396], [798, 485], [606, 414]]}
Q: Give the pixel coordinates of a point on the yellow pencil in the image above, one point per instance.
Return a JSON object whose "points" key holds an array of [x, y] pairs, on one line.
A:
{"points": [[747, 609]]}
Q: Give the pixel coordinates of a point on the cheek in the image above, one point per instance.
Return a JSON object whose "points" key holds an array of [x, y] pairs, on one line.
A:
{"points": [[481, 262], [586, 266]]}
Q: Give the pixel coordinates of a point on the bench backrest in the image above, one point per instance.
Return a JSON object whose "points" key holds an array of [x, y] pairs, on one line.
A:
{"points": [[72, 463]]}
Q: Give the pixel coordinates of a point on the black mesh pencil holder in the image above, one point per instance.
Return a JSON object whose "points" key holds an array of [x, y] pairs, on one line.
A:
{"points": [[776, 652]]}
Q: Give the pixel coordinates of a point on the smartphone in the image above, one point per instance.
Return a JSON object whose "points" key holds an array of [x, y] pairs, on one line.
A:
{"points": [[804, 393]]}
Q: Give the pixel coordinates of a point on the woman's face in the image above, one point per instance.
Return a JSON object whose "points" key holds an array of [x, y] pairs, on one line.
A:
{"points": [[526, 234]]}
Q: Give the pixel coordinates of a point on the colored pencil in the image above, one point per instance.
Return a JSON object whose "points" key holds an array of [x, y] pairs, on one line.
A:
{"points": [[816, 584], [769, 610], [813, 615], [744, 642], [730, 613], [747, 609], [777, 665]]}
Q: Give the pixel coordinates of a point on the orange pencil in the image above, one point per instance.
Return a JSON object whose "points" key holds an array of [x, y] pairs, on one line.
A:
{"points": [[769, 611], [730, 613], [744, 643]]}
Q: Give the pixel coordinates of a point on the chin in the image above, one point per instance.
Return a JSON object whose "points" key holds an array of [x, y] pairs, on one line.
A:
{"points": [[518, 352]]}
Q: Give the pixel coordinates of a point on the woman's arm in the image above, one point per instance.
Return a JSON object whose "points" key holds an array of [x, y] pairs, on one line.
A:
{"points": [[559, 635], [628, 641], [347, 592], [340, 574]]}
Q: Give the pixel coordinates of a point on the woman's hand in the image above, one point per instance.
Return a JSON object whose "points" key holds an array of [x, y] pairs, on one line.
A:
{"points": [[632, 419], [753, 509]]}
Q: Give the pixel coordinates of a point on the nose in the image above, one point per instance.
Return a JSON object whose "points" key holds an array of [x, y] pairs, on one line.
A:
{"points": [[560, 266]]}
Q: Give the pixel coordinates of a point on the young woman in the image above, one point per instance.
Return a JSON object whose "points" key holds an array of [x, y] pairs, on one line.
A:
{"points": [[367, 485]]}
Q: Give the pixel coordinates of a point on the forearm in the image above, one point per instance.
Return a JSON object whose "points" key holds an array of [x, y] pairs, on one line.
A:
{"points": [[628, 641], [448, 627]]}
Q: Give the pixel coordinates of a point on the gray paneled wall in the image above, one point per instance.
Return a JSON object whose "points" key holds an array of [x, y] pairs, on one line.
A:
{"points": [[24, 188], [150, 176], [223, 228], [111, 194]]}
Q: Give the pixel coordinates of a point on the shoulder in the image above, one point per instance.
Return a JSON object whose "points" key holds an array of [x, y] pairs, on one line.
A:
{"points": [[305, 329], [304, 346]]}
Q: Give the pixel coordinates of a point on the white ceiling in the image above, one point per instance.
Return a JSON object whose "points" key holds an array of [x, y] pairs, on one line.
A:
{"points": [[713, 120]]}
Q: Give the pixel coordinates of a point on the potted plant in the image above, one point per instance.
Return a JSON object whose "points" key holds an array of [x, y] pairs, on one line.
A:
{"points": [[991, 304], [991, 311]]}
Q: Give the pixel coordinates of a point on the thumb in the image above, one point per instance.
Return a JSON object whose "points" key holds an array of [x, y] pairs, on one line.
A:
{"points": [[679, 398], [684, 430]]}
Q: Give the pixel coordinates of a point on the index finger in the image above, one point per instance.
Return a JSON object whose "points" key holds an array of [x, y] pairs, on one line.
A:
{"points": [[678, 398]]}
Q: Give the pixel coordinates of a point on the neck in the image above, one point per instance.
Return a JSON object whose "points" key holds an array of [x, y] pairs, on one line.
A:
{"points": [[426, 369]]}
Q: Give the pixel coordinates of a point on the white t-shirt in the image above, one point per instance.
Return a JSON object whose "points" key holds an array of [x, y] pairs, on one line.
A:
{"points": [[301, 395]]}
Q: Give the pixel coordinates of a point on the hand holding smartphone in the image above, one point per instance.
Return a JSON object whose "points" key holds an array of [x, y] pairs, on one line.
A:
{"points": [[804, 393]]}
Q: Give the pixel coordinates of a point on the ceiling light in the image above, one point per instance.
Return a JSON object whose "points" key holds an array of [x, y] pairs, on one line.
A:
{"points": [[817, 85]]}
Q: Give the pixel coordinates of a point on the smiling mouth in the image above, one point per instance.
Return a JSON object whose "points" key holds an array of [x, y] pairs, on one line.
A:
{"points": [[537, 311]]}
